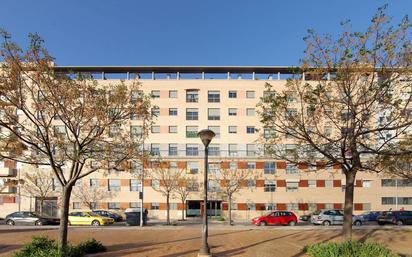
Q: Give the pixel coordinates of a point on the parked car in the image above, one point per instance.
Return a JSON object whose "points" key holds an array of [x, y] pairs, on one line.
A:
{"points": [[275, 218], [369, 216], [305, 217], [395, 217], [115, 216], [30, 218], [88, 218], [333, 217]]}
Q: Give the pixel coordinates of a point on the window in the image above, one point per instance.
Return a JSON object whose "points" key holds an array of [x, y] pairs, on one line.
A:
{"points": [[193, 167], [192, 96], [56, 185], [329, 183], [173, 150], [270, 206], [213, 96], [311, 183], [232, 166], [214, 186], [328, 205], [327, 131], [233, 206], [154, 206], [290, 113], [268, 96], [155, 94], [94, 182], [250, 112], [192, 149], [251, 165], [134, 116], [250, 150], [215, 129], [172, 93], [93, 205], [269, 168], [405, 200], [291, 97], [291, 168], [135, 185], [232, 129], [192, 114], [250, 130], [60, 130], [232, 94], [232, 112], [292, 186], [270, 186], [172, 129], [155, 149], [173, 165], [251, 206], [135, 204], [292, 207], [214, 168], [232, 149], [214, 150], [192, 186], [250, 94], [366, 207], [136, 95], [136, 131], [268, 133], [155, 129], [155, 183], [213, 114], [251, 183], [172, 111], [155, 111], [191, 131], [114, 185], [76, 205], [173, 206], [366, 183], [388, 182], [388, 200]]}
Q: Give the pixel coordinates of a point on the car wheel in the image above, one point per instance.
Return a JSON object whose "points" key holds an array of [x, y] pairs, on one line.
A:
{"points": [[95, 223], [10, 223], [399, 222], [357, 223], [326, 223], [292, 223], [262, 223], [38, 223]]}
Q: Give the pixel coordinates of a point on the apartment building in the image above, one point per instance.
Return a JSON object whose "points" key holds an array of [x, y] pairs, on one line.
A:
{"points": [[223, 99]]}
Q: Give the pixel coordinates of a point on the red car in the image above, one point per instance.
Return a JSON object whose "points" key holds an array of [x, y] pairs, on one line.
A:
{"points": [[275, 218]]}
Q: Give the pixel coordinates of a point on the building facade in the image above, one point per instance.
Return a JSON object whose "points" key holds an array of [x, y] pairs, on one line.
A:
{"points": [[223, 99]]}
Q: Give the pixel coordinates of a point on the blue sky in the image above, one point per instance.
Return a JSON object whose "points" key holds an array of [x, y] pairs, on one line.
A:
{"points": [[183, 32]]}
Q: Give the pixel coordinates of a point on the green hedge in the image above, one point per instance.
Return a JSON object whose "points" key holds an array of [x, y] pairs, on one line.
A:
{"points": [[348, 249], [45, 247]]}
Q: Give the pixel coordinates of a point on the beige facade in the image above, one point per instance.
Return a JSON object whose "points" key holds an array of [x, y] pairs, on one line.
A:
{"points": [[227, 105]]}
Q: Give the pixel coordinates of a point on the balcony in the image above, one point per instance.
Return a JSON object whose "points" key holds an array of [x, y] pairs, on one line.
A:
{"points": [[7, 172]]}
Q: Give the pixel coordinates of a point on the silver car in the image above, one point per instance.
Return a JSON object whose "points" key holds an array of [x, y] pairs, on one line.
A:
{"points": [[332, 217]]}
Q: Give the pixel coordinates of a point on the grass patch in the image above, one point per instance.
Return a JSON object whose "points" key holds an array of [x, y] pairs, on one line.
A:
{"points": [[45, 247], [349, 249]]}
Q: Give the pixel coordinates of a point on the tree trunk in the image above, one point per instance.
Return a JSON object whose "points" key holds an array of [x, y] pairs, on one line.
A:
{"points": [[183, 210], [41, 206], [167, 210], [64, 215], [348, 209], [229, 208]]}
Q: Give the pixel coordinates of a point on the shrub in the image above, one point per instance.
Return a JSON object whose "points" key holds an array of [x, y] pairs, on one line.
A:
{"points": [[348, 249], [45, 247]]}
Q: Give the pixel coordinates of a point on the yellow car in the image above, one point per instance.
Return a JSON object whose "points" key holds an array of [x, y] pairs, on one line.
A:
{"points": [[88, 218]]}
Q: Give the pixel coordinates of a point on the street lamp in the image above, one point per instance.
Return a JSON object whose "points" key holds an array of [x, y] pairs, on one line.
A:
{"points": [[206, 135]]}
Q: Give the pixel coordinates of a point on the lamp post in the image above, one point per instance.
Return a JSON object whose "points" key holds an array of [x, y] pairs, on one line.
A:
{"points": [[206, 136]]}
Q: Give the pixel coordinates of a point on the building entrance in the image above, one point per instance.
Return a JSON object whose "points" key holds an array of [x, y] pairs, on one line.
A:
{"points": [[195, 208]]}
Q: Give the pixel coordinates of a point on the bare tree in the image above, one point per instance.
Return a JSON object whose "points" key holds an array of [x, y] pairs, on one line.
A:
{"points": [[350, 102], [90, 195], [167, 182], [398, 165], [186, 185], [232, 180], [52, 119], [39, 185]]}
